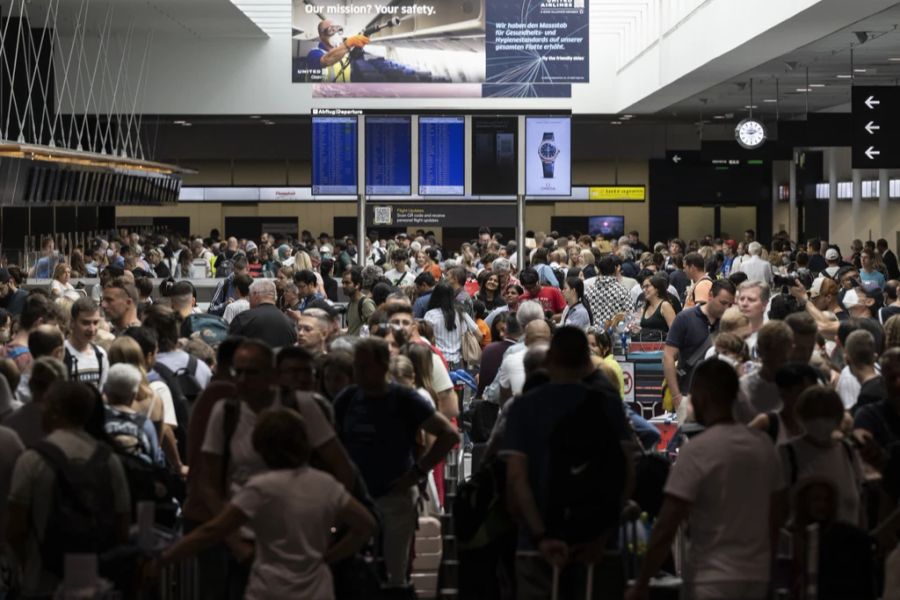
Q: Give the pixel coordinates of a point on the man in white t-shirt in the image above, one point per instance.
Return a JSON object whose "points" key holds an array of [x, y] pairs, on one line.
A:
{"points": [[726, 484], [85, 361], [511, 375], [400, 275], [242, 302]]}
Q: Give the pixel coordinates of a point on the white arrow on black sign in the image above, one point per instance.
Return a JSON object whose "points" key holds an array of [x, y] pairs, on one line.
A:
{"points": [[871, 127], [872, 102], [676, 159], [871, 153]]}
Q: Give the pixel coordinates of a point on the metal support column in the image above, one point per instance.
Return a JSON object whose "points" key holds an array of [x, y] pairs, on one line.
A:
{"points": [[884, 194], [832, 194], [856, 207], [520, 231], [361, 230]]}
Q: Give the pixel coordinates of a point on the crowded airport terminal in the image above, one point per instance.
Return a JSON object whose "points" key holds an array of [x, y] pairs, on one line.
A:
{"points": [[485, 300]]}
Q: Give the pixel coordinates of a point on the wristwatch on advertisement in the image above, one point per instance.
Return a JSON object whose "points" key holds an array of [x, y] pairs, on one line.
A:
{"points": [[547, 152]]}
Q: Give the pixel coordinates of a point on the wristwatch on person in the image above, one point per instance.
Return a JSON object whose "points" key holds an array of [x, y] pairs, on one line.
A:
{"points": [[547, 152]]}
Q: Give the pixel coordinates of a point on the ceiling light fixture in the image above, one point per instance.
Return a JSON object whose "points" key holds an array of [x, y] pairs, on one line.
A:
{"points": [[817, 85], [770, 100], [845, 76], [803, 90], [254, 116], [859, 70], [615, 122], [862, 36]]}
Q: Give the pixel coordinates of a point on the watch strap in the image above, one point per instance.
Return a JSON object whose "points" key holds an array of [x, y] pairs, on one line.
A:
{"points": [[548, 170]]}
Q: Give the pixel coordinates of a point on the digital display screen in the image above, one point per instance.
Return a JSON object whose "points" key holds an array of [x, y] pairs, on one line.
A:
{"points": [[609, 226], [442, 156], [548, 156], [388, 156], [495, 150], [334, 156]]}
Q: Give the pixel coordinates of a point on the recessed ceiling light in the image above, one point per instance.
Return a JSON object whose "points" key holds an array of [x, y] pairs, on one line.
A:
{"points": [[179, 122], [186, 124], [770, 100], [615, 122], [859, 70], [254, 116], [845, 76], [803, 90], [626, 117], [268, 122], [817, 85], [718, 116], [750, 106]]}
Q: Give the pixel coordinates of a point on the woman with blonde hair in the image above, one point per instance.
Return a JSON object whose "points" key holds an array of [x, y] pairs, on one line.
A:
{"points": [[303, 261], [60, 285], [149, 403]]}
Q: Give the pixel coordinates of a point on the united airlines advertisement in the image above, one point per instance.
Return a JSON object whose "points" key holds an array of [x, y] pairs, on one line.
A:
{"points": [[454, 48]]}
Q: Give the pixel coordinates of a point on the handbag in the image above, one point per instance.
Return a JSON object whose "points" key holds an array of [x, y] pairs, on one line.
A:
{"points": [[470, 341]]}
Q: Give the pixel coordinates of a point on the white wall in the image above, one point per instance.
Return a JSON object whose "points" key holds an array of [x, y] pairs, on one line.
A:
{"points": [[237, 76]]}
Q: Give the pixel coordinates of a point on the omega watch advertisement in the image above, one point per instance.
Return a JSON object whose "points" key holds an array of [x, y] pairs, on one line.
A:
{"points": [[548, 148]]}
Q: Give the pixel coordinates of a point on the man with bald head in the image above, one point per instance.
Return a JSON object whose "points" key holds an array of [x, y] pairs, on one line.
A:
{"points": [[264, 321], [332, 53], [511, 375]]}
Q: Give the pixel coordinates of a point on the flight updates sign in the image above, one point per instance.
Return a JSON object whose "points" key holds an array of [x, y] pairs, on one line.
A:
{"points": [[876, 127], [498, 43]]}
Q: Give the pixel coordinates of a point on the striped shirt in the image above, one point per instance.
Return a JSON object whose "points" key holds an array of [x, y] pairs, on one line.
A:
{"points": [[450, 342]]}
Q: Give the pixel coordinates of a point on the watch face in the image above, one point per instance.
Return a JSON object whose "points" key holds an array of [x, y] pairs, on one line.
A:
{"points": [[548, 151], [750, 133]]}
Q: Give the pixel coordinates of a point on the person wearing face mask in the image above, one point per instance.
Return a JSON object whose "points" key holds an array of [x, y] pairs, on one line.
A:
{"points": [[818, 453], [332, 55]]}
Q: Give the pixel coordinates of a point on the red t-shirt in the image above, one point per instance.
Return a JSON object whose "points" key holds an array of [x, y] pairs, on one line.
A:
{"points": [[550, 298]]}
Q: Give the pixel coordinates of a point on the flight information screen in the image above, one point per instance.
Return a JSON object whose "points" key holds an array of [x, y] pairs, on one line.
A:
{"points": [[388, 156], [334, 156], [442, 156], [495, 156]]}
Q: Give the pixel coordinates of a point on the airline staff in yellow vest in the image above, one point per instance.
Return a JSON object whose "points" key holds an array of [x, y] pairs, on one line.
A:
{"points": [[332, 53]]}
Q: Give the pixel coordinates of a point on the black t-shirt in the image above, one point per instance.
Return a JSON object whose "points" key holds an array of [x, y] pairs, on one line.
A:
{"points": [[817, 263], [14, 303], [887, 312], [689, 331], [881, 420], [871, 392], [267, 323]]}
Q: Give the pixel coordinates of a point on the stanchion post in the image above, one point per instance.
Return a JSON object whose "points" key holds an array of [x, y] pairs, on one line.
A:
{"points": [[361, 231]]}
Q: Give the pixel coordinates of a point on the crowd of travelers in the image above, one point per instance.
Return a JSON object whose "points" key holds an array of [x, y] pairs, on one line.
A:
{"points": [[289, 433]]}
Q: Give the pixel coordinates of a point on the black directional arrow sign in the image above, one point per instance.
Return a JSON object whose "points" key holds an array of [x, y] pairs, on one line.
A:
{"points": [[876, 131]]}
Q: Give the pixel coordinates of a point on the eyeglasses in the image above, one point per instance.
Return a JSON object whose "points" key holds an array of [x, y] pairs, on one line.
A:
{"points": [[333, 30]]}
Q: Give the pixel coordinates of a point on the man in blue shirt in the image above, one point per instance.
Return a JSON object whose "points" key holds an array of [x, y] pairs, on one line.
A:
{"points": [[424, 286], [331, 55], [43, 268]]}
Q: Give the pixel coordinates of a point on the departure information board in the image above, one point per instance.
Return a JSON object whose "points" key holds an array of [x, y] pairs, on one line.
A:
{"points": [[495, 156], [334, 170], [442, 156], [388, 156]]}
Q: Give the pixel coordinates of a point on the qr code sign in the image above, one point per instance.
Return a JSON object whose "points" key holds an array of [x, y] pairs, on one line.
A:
{"points": [[383, 216]]}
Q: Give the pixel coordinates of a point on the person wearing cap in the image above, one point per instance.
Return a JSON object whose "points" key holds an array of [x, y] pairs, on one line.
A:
{"points": [[868, 272], [11, 297], [864, 301], [833, 260]]}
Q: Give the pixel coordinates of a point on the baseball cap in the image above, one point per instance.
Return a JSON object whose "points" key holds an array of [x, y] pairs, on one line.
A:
{"points": [[832, 254], [815, 290], [4, 276], [871, 289]]}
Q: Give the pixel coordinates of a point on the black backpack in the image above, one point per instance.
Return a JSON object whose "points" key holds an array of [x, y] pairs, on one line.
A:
{"points": [[586, 476], [82, 519], [185, 390], [72, 365]]}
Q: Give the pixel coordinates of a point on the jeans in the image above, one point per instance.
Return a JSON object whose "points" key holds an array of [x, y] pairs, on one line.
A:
{"points": [[534, 579], [646, 432], [399, 518]]}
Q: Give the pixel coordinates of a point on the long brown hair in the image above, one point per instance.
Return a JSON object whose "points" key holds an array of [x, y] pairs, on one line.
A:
{"points": [[420, 356]]}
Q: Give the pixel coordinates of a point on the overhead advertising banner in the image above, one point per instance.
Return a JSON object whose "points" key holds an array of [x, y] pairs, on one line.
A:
{"points": [[399, 48], [548, 156], [440, 215], [537, 41]]}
